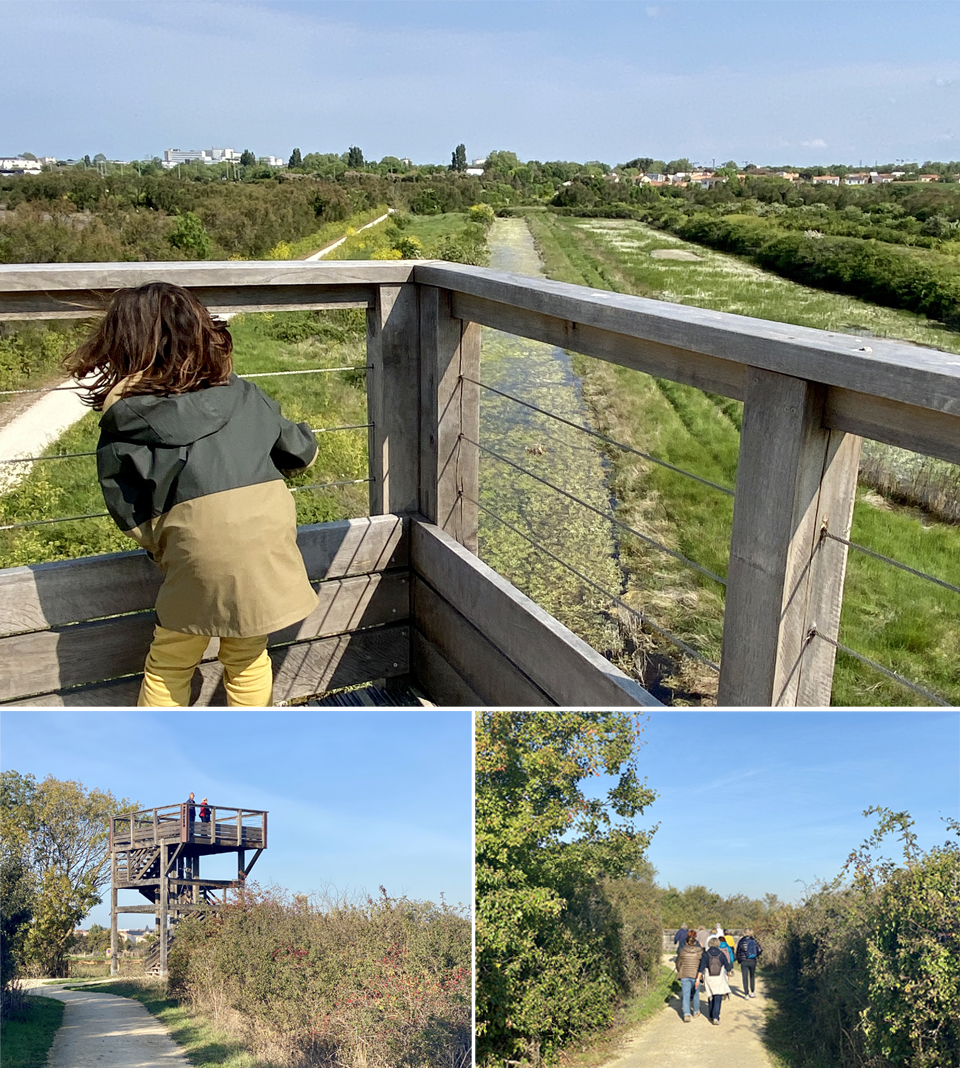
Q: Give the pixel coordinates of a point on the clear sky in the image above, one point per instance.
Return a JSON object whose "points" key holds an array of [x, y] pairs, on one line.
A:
{"points": [[758, 802], [765, 81], [356, 797]]}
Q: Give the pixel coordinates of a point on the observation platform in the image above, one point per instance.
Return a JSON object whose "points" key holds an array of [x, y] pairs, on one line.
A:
{"points": [[404, 595], [157, 852]]}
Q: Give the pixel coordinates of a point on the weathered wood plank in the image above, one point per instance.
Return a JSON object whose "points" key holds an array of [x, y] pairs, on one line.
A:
{"points": [[903, 425], [43, 661], [299, 670], [68, 591], [393, 400], [438, 678], [485, 670], [651, 357], [554, 658], [106, 277], [793, 475], [450, 412], [896, 370]]}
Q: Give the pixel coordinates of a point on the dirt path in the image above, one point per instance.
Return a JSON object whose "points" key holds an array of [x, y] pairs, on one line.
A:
{"points": [[104, 1031], [667, 1040], [33, 428]]}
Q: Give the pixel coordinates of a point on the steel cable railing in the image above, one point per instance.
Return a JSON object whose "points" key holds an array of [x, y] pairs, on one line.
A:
{"points": [[614, 598], [106, 515], [825, 534], [603, 515]]}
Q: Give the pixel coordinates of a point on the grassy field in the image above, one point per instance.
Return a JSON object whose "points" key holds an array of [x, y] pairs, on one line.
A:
{"points": [[904, 623], [25, 1042], [286, 341]]}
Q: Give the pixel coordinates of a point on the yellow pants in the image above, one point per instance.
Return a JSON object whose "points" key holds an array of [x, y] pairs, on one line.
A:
{"points": [[173, 658]]}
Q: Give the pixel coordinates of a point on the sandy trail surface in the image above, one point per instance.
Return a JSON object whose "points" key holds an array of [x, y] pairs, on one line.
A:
{"points": [[105, 1031], [34, 427], [666, 1040]]}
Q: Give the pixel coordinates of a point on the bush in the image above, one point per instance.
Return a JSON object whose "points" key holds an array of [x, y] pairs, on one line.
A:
{"points": [[385, 982]]}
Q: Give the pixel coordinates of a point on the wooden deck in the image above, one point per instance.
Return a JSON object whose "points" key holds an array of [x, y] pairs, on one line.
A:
{"points": [[403, 593]]}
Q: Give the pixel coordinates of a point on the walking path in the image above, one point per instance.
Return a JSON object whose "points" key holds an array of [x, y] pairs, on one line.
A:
{"points": [[105, 1031], [338, 243], [667, 1040]]}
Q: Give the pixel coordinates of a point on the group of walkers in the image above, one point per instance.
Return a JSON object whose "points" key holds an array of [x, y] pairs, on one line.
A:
{"points": [[705, 960]]}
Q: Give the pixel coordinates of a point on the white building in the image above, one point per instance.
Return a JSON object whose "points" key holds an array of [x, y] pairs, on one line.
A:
{"points": [[173, 156], [273, 161], [19, 165]]}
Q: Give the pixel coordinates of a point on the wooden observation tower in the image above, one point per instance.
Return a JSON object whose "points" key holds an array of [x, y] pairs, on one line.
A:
{"points": [[157, 852]]}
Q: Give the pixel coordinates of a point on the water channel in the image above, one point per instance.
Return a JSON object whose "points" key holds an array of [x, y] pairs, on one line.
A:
{"points": [[545, 520]]}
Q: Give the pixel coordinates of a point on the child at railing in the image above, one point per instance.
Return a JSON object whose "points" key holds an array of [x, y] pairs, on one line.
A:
{"points": [[190, 460]]}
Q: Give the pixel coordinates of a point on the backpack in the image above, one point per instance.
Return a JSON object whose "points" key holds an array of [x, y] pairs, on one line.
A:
{"points": [[751, 949], [715, 964]]}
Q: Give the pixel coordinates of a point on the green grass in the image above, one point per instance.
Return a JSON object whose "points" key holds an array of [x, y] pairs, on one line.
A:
{"points": [[373, 243], [288, 341], [904, 623], [643, 1004], [329, 232], [25, 1043], [202, 1044]]}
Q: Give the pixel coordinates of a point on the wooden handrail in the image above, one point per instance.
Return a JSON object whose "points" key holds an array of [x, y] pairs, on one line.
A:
{"points": [[808, 395]]}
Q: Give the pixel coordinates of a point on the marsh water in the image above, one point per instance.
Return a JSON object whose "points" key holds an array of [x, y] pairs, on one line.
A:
{"points": [[546, 522]]}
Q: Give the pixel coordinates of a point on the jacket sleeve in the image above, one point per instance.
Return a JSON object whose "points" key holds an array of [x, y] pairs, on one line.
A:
{"points": [[125, 475], [295, 447]]}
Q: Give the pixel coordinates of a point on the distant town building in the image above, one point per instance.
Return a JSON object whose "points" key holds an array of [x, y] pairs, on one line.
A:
{"points": [[19, 165], [273, 161], [173, 156], [475, 171]]}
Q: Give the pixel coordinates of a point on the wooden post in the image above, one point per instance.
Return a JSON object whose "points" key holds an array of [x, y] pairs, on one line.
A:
{"points": [[449, 410], [393, 398], [164, 885], [795, 478], [114, 966]]}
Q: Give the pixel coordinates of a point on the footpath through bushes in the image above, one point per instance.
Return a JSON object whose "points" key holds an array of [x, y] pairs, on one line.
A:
{"points": [[384, 982], [870, 971]]}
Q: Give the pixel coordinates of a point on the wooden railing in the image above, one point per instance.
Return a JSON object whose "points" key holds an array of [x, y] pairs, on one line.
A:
{"points": [[228, 826], [808, 396]]}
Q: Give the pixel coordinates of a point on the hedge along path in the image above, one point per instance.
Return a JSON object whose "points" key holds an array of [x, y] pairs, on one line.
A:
{"points": [[667, 1040], [106, 1031]]}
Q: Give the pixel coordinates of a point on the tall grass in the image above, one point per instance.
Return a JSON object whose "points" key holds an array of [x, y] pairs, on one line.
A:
{"points": [[903, 622]]}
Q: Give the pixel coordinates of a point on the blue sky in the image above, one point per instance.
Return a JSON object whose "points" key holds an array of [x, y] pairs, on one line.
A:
{"points": [[769, 81], [758, 802], [356, 798]]}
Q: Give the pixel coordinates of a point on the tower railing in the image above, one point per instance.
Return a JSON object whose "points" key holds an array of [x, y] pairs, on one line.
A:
{"points": [[404, 593]]}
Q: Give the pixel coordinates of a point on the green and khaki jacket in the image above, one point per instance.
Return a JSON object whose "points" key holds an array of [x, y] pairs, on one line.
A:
{"points": [[196, 479]]}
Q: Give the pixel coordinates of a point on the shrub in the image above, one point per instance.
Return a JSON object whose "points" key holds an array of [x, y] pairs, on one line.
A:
{"points": [[384, 982]]}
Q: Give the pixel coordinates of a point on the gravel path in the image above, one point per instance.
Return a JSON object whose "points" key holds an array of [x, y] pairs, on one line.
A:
{"points": [[667, 1041], [105, 1031], [34, 428]]}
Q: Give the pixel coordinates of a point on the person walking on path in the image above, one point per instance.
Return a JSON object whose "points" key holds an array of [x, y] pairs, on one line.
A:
{"points": [[702, 935], [680, 938], [714, 969], [748, 953], [688, 967]]}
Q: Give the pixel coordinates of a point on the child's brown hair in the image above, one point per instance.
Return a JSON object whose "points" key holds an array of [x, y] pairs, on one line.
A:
{"points": [[162, 334]]}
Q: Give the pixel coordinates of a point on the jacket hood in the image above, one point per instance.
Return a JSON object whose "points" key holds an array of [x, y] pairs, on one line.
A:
{"points": [[176, 419]]}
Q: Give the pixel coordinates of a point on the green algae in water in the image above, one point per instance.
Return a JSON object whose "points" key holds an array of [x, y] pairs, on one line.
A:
{"points": [[543, 375]]}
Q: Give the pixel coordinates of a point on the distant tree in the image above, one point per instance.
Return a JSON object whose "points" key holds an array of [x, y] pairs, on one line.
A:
{"points": [[60, 829], [247, 158], [295, 159], [679, 166], [641, 163], [459, 160], [27, 155], [190, 236], [88, 161], [354, 158], [97, 940], [99, 158]]}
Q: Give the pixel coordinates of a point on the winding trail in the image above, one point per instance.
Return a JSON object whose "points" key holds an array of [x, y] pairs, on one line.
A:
{"points": [[105, 1031], [666, 1040]]}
